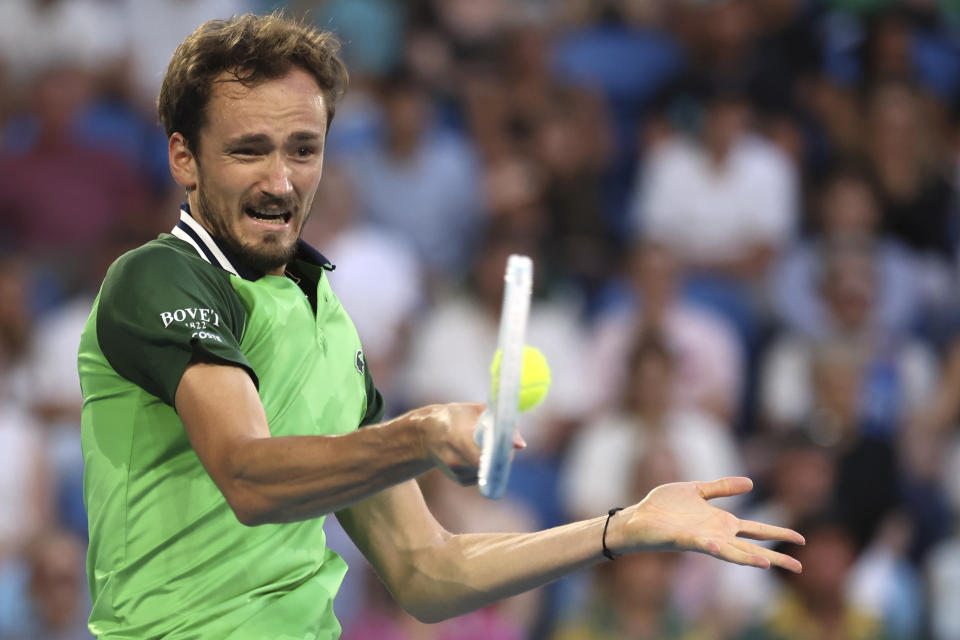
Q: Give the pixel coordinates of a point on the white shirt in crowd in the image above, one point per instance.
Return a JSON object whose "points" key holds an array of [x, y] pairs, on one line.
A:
{"points": [[602, 459], [708, 212]]}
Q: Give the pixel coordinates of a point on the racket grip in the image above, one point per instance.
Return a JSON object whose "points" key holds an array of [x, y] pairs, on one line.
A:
{"points": [[496, 456], [484, 427]]}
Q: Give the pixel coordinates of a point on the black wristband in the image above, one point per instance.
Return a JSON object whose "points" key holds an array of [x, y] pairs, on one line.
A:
{"points": [[606, 551]]}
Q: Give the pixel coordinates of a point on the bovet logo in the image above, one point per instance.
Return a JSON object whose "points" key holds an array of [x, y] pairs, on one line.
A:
{"points": [[193, 317]]}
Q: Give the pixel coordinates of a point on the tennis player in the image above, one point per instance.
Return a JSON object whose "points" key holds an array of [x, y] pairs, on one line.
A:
{"points": [[224, 390]]}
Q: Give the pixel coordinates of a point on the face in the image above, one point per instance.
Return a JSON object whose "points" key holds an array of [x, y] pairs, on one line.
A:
{"points": [[827, 558], [651, 383], [257, 166], [654, 271], [849, 208], [850, 291], [726, 121], [804, 479]]}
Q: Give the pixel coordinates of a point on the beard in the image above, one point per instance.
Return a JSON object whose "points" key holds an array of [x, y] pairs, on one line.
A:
{"points": [[268, 256]]}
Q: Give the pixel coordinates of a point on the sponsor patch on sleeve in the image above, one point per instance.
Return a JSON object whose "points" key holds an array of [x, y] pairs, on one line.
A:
{"points": [[205, 323]]}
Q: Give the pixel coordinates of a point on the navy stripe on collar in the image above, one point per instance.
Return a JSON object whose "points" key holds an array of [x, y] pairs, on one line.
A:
{"points": [[189, 230], [198, 242]]}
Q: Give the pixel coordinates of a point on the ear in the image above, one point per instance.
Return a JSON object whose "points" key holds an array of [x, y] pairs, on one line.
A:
{"points": [[183, 164]]}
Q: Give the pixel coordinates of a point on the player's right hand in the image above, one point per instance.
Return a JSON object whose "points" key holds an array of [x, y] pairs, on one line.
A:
{"points": [[447, 435]]}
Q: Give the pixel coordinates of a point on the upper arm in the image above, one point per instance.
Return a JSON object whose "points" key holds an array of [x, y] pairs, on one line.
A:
{"points": [[392, 528], [221, 411], [160, 310]]}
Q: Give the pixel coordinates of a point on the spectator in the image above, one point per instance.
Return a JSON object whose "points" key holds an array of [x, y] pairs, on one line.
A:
{"points": [[61, 196], [154, 30], [899, 372], [455, 341], [632, 600], [636, 600], [39, 35], [590, 54], [799, 476], [419, 180], [848, 210], [805, 478], [601, 460], [709, 370], [572, 146], [906, 159], [943, 576], [50, 385], [867, 484], [725, 202], [383, 619], [52, 603], [814, 604], [911, 41], [26, 498]]}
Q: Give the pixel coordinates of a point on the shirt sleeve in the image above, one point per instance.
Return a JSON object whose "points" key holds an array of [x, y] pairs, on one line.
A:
{"points": [[375, 403], [161, 309]]}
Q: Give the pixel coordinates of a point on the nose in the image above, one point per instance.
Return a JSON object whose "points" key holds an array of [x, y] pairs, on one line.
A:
{"points": [[277, 179]]}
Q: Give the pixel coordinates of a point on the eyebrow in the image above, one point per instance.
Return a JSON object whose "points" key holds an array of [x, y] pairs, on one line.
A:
{"points": [[262, 138], [305, 136], [250, 138]]}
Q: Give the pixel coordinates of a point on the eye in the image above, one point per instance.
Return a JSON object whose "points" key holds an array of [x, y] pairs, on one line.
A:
{"points": [[305, 151], [245, 151]]}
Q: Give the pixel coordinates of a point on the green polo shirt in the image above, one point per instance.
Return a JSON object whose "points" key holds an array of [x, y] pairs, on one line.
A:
{"points": [[167, 557]]}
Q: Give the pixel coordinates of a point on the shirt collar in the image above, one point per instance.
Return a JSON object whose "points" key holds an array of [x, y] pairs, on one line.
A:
{"points": [[192, 232]]}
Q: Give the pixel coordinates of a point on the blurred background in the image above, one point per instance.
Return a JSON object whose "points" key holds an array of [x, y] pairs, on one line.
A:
{"points": [[744, 218]]}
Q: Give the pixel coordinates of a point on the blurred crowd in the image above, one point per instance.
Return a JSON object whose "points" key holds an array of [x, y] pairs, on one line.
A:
{"points": [[745, 225]]}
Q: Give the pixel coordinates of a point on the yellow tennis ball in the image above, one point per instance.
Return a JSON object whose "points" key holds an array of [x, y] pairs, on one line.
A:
{"points": [[534, 381]]}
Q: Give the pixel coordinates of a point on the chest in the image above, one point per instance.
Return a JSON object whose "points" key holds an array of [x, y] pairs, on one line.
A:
{"points": [[309, 362]]}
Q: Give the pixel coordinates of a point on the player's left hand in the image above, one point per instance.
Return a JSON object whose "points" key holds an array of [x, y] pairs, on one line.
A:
{"points": [[677, 517]]}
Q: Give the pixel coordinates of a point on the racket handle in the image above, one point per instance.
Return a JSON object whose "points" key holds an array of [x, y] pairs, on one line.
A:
{"points": [[496, 456], [483, 428]]}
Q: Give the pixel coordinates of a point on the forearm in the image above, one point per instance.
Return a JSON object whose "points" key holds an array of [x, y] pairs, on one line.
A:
{"points": [[266, 479], [469, 571], [293, 478], [435, 575]]}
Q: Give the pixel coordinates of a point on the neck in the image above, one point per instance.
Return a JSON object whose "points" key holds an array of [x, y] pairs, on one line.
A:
{"points": [[653, 415], [401, 146]]}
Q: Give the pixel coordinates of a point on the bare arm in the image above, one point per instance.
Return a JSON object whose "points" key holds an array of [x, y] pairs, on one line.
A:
{"points": [[266, 479], [435, 575]]}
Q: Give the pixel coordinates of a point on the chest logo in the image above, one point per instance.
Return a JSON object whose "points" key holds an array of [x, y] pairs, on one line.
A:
{"points": [[359, 362]]}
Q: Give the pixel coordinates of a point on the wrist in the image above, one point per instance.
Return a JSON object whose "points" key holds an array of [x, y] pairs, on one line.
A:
{"points": [[424, 424], [610, 549]]}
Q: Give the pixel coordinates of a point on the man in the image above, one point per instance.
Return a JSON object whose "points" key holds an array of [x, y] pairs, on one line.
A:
{"points": [[223, 387]]}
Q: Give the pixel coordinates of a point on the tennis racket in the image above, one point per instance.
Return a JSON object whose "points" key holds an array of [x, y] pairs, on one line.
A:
{"points": [[494, 432]]}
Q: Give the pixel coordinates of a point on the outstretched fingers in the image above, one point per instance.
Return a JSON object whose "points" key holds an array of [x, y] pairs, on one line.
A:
{"points": [[749, 554], [769, 556], [760, 531], [724, 487]]}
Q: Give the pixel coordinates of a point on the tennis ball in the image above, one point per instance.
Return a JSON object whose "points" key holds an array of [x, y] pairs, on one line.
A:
{"points": [[534, 381]]}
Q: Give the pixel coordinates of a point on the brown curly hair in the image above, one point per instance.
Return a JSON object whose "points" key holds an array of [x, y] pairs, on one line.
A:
{"points": [[251, 48]]}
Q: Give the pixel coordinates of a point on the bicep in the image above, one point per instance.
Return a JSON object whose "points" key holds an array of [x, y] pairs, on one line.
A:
{"points": [[391, 529], [220, 410]]}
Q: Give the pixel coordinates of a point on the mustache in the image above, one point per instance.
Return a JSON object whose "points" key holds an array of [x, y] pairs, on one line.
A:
{"points": [[266, 201]]}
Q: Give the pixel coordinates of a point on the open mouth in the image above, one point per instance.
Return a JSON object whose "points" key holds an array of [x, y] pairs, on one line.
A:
{"points": [[269, 215]]}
